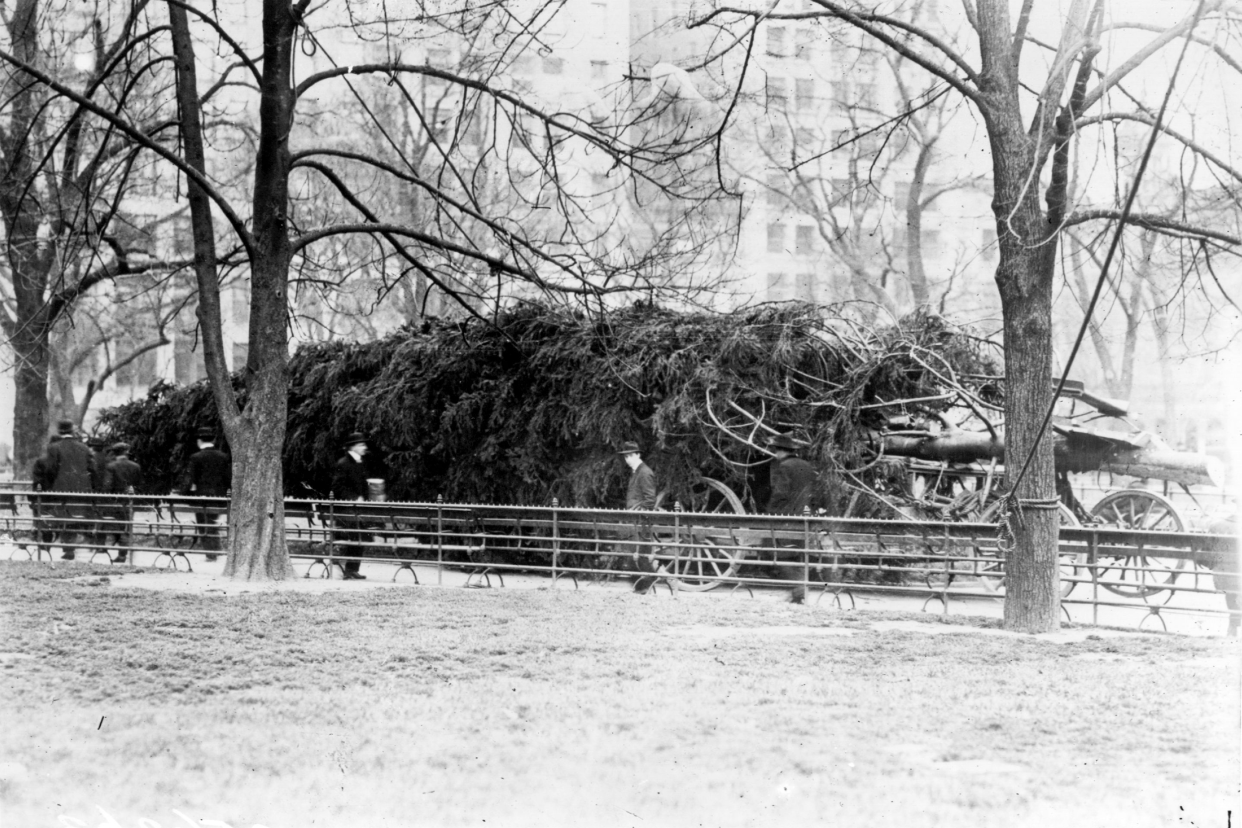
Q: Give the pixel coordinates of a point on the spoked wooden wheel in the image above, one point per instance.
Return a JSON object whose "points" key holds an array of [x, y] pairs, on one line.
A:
{"points": [[705, 495], [699, 563], [990, 568], [1137, 576]]}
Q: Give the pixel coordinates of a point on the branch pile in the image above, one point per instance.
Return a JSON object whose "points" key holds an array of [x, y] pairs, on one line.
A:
{"points": [[534, 406]]}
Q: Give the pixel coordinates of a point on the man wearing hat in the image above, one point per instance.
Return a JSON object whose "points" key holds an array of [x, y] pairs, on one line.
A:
{"points": [[69, 466], [792, 479], [211, 475], [792, 482], [349, 482], [122, 477], [640, 496]]}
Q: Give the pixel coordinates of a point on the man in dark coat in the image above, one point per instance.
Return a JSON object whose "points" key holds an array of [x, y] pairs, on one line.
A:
{"points": [[70, 467], [640, 496], [211, 475], [121, 478], [792, 478], [349, 482], [792, 482]]}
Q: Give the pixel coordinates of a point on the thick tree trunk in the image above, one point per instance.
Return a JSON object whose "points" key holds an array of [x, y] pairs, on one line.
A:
{"points": [[30, 408], [257, 548], [1032, 596]]}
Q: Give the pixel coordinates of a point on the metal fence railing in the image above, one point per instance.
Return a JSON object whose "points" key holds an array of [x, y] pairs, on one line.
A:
{"points": [[1150, 574]]}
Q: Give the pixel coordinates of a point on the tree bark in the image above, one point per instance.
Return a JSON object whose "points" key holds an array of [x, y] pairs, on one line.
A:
{"points": [[28, 266], [1024, 278], [257, 549]]}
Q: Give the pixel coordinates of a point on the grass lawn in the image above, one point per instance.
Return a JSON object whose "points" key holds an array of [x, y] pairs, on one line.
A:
{"points": [[429, 707]]}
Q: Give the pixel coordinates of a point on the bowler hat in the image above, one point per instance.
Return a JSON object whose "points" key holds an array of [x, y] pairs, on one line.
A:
{"points": [[629, 447], [354, 439], [64, 427], [783, 441], [206, 433]]}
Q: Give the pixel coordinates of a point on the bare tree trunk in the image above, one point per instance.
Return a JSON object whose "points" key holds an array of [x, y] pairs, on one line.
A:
{"points": [[1024, 278], [27, 264], [257, 548], [914, 228]]}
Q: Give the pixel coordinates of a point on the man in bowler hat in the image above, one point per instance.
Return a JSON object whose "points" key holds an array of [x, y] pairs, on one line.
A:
{"points": [[792, 478], [211, 475], [69, 466], [349, 482], [640, 496], [121, 478]]}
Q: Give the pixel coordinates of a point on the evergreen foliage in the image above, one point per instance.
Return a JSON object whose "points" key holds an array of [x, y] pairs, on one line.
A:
{"points": [[534, 406]]}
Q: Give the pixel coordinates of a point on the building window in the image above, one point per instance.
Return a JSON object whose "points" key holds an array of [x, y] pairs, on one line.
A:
{"points": [[599, 69], [241, 353], [989, 243], [776, 286], [777, 41], [804, 286], [776, 238], [804, 94], [805, 43], [805, 140], [778, 92], [842, 187], [804, 240], [866, 95], [930, 240], [901, 196], [524, 64], [840, 97], [438, 58], [553, 66], [775, 195]]}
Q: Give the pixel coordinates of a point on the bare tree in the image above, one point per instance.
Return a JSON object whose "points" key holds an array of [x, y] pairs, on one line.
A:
{"points": [[1039, 85], [64, 174]]}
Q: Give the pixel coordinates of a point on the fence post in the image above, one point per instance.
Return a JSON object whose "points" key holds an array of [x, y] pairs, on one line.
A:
{"points": [[556, 538], [806, 548], [331, 533], [677, 508], [440, 539]]}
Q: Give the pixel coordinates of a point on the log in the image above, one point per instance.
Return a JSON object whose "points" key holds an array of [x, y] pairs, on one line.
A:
{"points": [[1185, 467], [953, 446], [1078, 455]]}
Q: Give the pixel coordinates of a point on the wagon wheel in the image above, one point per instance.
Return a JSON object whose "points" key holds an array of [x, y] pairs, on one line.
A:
{"points": [[1137, 576], [991, 566], [697, 565]]}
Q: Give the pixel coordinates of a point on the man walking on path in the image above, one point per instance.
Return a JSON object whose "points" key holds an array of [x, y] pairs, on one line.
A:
{"points": [[70, 467], [211, 475], [640, 496], [122, 478], [349, 482]]}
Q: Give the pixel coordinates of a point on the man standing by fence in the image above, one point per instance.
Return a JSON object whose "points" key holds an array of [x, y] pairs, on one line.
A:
{"points": [[349, 482], [122, 479], [211, 475], [70, 467]]}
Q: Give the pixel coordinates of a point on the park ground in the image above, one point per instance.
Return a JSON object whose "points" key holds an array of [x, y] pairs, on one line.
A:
{"points": [[340, 704]]}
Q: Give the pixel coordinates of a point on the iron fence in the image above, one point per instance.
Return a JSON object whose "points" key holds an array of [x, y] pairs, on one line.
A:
{"points": [[1148, 572]]}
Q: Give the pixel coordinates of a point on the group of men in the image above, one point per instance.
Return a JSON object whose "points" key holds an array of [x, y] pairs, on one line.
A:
{"points": [[70, 467]]}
